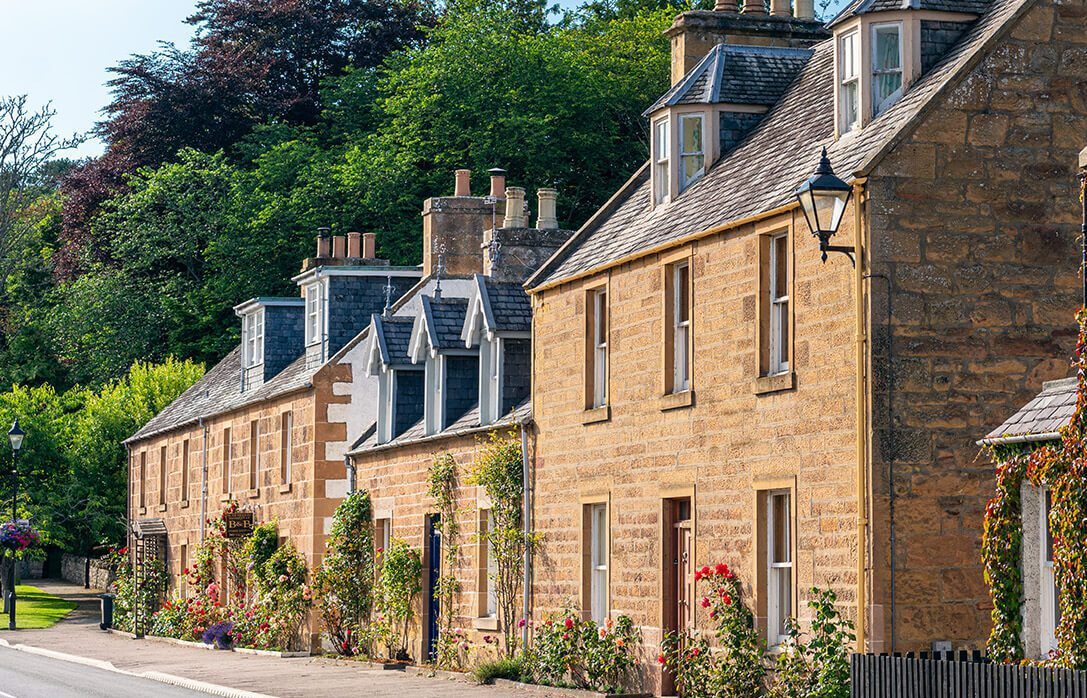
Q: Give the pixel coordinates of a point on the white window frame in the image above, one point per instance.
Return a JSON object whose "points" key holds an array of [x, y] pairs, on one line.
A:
{"points": [[598, 562], [879, 107], [849, 80], [253, 337], [681, 329], [684, 181], [662, 168], [600, 347], [434, 408], [387, 409], [491, 376], [228, 459], [288, 446], [779, 574], [254, 457], [779, 308], [1048, 597], [491, 611], [314, 313]]}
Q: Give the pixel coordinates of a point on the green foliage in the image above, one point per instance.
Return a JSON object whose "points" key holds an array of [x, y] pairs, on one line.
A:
{"points": [[345, 580], [510, 668], [499, 469], [401, 583], [260, 546], [569, 651], [442, 487]]}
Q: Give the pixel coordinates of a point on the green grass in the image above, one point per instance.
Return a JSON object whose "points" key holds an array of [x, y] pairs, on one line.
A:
{"points": [[36, 609]]}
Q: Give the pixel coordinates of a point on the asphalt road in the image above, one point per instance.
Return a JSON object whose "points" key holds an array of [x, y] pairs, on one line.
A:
{"points": [[26, 675]]}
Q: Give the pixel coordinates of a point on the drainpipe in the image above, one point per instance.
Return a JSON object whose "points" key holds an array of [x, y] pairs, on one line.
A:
{"points": [[204, 483], [350, 472], [861, 419], [526, 502]]}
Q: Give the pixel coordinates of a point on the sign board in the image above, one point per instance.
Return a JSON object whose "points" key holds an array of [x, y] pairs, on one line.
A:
{"points": [[239, 524]]}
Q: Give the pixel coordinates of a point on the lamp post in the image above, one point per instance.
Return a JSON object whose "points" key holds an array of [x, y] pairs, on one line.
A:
{"points": [[15, 437]]}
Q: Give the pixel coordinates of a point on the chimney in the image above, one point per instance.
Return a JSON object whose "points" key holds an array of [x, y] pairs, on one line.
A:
{"points": [[323, 242], [754, 7], [805, 9], [498, 183], [338, 250], [369, 246], [547, 219], [725, 6], [354, 244], [780, 8], [463, 185], [515, 208], [453, 226]]}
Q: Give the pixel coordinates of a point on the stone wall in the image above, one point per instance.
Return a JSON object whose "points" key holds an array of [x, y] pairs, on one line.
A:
{"points": [[73, 570], [974, 218]]}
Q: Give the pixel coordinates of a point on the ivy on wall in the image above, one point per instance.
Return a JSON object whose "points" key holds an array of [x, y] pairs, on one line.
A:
{"points": [[1063, 469]]}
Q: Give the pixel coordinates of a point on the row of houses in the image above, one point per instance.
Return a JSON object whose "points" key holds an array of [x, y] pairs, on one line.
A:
{"points": [[694, 377]]}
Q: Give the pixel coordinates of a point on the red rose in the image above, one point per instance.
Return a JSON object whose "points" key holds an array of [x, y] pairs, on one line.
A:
{"points": [[566, 636], [727, 600], [569, 623], [698, 576], [721, 569], [706, 571], [660, 659], [705, 602]]}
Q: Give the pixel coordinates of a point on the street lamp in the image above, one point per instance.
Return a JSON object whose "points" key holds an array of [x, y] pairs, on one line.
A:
{"points": [[823, 198], [15, 437]]}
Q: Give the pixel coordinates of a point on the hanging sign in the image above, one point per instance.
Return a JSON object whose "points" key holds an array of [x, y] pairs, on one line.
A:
{"points": [[239, 524]]}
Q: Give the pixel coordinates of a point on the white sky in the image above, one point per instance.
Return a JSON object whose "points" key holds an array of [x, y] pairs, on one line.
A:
{"points": [[60, 50]]}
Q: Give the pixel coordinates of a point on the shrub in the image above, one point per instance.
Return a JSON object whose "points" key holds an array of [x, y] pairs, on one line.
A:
{"points": [[219, 635], [569, 651], [345, 581], [401, 583], [510, 668]]}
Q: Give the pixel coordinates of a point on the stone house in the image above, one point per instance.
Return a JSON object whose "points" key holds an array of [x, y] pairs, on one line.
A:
{"points": [[268, 426], [710, 387], [452, 360]]}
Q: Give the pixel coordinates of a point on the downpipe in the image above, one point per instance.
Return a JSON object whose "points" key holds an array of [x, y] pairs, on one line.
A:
{"points": [[526, 515]]}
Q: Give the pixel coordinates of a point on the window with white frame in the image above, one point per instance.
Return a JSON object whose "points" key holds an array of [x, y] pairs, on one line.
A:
{"points": [[383, 529], [314, 314], [434, 407], [492, 566], [779, 304], [886, 66], [600, 347], [681, 327], [598, 562], [692, 151], [491, 385], [253, 337], [386, 383], [662, 150], [849, 87], [286, 446], [228, 456], [779, 561], [1050, 610]]}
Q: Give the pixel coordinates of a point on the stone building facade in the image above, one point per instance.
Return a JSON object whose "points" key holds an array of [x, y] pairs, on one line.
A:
{"points": [[838, 406]]}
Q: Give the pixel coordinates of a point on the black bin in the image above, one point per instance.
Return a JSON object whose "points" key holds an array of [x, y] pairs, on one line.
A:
{"points": [[107, 611]]}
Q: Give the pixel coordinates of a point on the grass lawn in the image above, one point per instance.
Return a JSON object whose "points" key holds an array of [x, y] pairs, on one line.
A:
{"points": [[36, 609]]}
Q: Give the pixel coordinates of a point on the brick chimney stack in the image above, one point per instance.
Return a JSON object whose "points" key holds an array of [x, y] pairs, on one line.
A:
{"points": [[547, 218], [354, 244], [463, 185], [754, 7], [498, 183], [324, 243], [515, 208], [369, 246], [453, 226]]}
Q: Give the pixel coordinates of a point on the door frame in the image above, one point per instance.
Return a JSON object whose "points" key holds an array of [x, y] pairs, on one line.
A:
{"points": [[670, 526], [433, 571]]}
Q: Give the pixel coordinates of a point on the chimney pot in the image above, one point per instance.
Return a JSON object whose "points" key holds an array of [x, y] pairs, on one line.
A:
{"points": [[369, 246], [725, 6], [754, 7], [805, 9], [781, 8], [463, 183], [547, 219], [323, 241], [515, 208], [354, 244], [498, 183], [338, 246]]}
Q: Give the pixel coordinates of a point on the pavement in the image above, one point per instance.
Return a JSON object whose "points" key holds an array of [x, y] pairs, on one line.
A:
{"points": [[74, 654]]}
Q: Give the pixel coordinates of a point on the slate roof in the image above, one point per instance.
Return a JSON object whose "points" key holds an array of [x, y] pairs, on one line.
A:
{"points": [[220, 391], [445, 318], [762, 173], [467, 424], [394, 337], [1040, 418], [737, 75], [860, 7], [510, 306]]}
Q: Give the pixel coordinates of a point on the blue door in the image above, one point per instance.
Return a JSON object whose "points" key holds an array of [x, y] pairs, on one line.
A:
{"points": [[434, 573]]}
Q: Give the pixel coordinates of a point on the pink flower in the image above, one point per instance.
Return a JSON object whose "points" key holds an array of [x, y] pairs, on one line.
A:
{"points": [[521, 623], [705, 602]]}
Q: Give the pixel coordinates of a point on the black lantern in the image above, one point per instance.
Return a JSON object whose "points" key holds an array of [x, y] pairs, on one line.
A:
{"points": [[823, 198], [15, 436]]}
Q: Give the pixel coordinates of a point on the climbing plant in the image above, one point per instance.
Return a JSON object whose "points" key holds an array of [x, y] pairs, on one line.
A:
{"points": [[499, 470], [442, 487], [345, 580], [1061, 468]]}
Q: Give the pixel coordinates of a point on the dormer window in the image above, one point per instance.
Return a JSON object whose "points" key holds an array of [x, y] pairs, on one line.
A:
{"points": [[434, 408], [886, 66], [850, 88], [692, 156], [314, 314], [662, 148], [253, 338]]}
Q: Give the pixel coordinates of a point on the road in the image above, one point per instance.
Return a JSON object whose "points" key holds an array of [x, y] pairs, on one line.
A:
{"points": [[26, 675]]}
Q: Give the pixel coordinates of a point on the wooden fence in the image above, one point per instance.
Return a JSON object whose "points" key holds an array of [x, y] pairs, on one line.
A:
{"points": [[945, 675]]}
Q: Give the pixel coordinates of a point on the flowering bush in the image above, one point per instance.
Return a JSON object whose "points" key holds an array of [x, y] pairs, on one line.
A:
{"points": [[569, 651], [219, 635], [401, 583], [345, 581], [17, 536]]}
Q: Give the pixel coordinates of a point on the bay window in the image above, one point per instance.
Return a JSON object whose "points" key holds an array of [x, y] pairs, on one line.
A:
{"points": [[253, 338], [849, 81], [662, 147], [692, 156], [886, 66], [314, 314]]}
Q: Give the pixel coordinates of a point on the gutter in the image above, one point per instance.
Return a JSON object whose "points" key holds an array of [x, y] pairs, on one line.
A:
{"points": [[464, 431], [1020, 439], [861, 417]]}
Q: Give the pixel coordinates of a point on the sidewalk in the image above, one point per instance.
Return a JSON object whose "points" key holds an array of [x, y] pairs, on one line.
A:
{"points": [[78, 634]]}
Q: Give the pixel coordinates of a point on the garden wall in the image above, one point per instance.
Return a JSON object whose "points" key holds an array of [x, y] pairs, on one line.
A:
{"points": [[73, 570]]}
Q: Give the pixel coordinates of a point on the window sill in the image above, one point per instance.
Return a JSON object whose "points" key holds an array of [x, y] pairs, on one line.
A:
{"points": [[160, 507], [676, 401], [184, 504], [765, 385], [254, 494], [592, 415], [226, 498], [285, 488], [486, 623]]}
